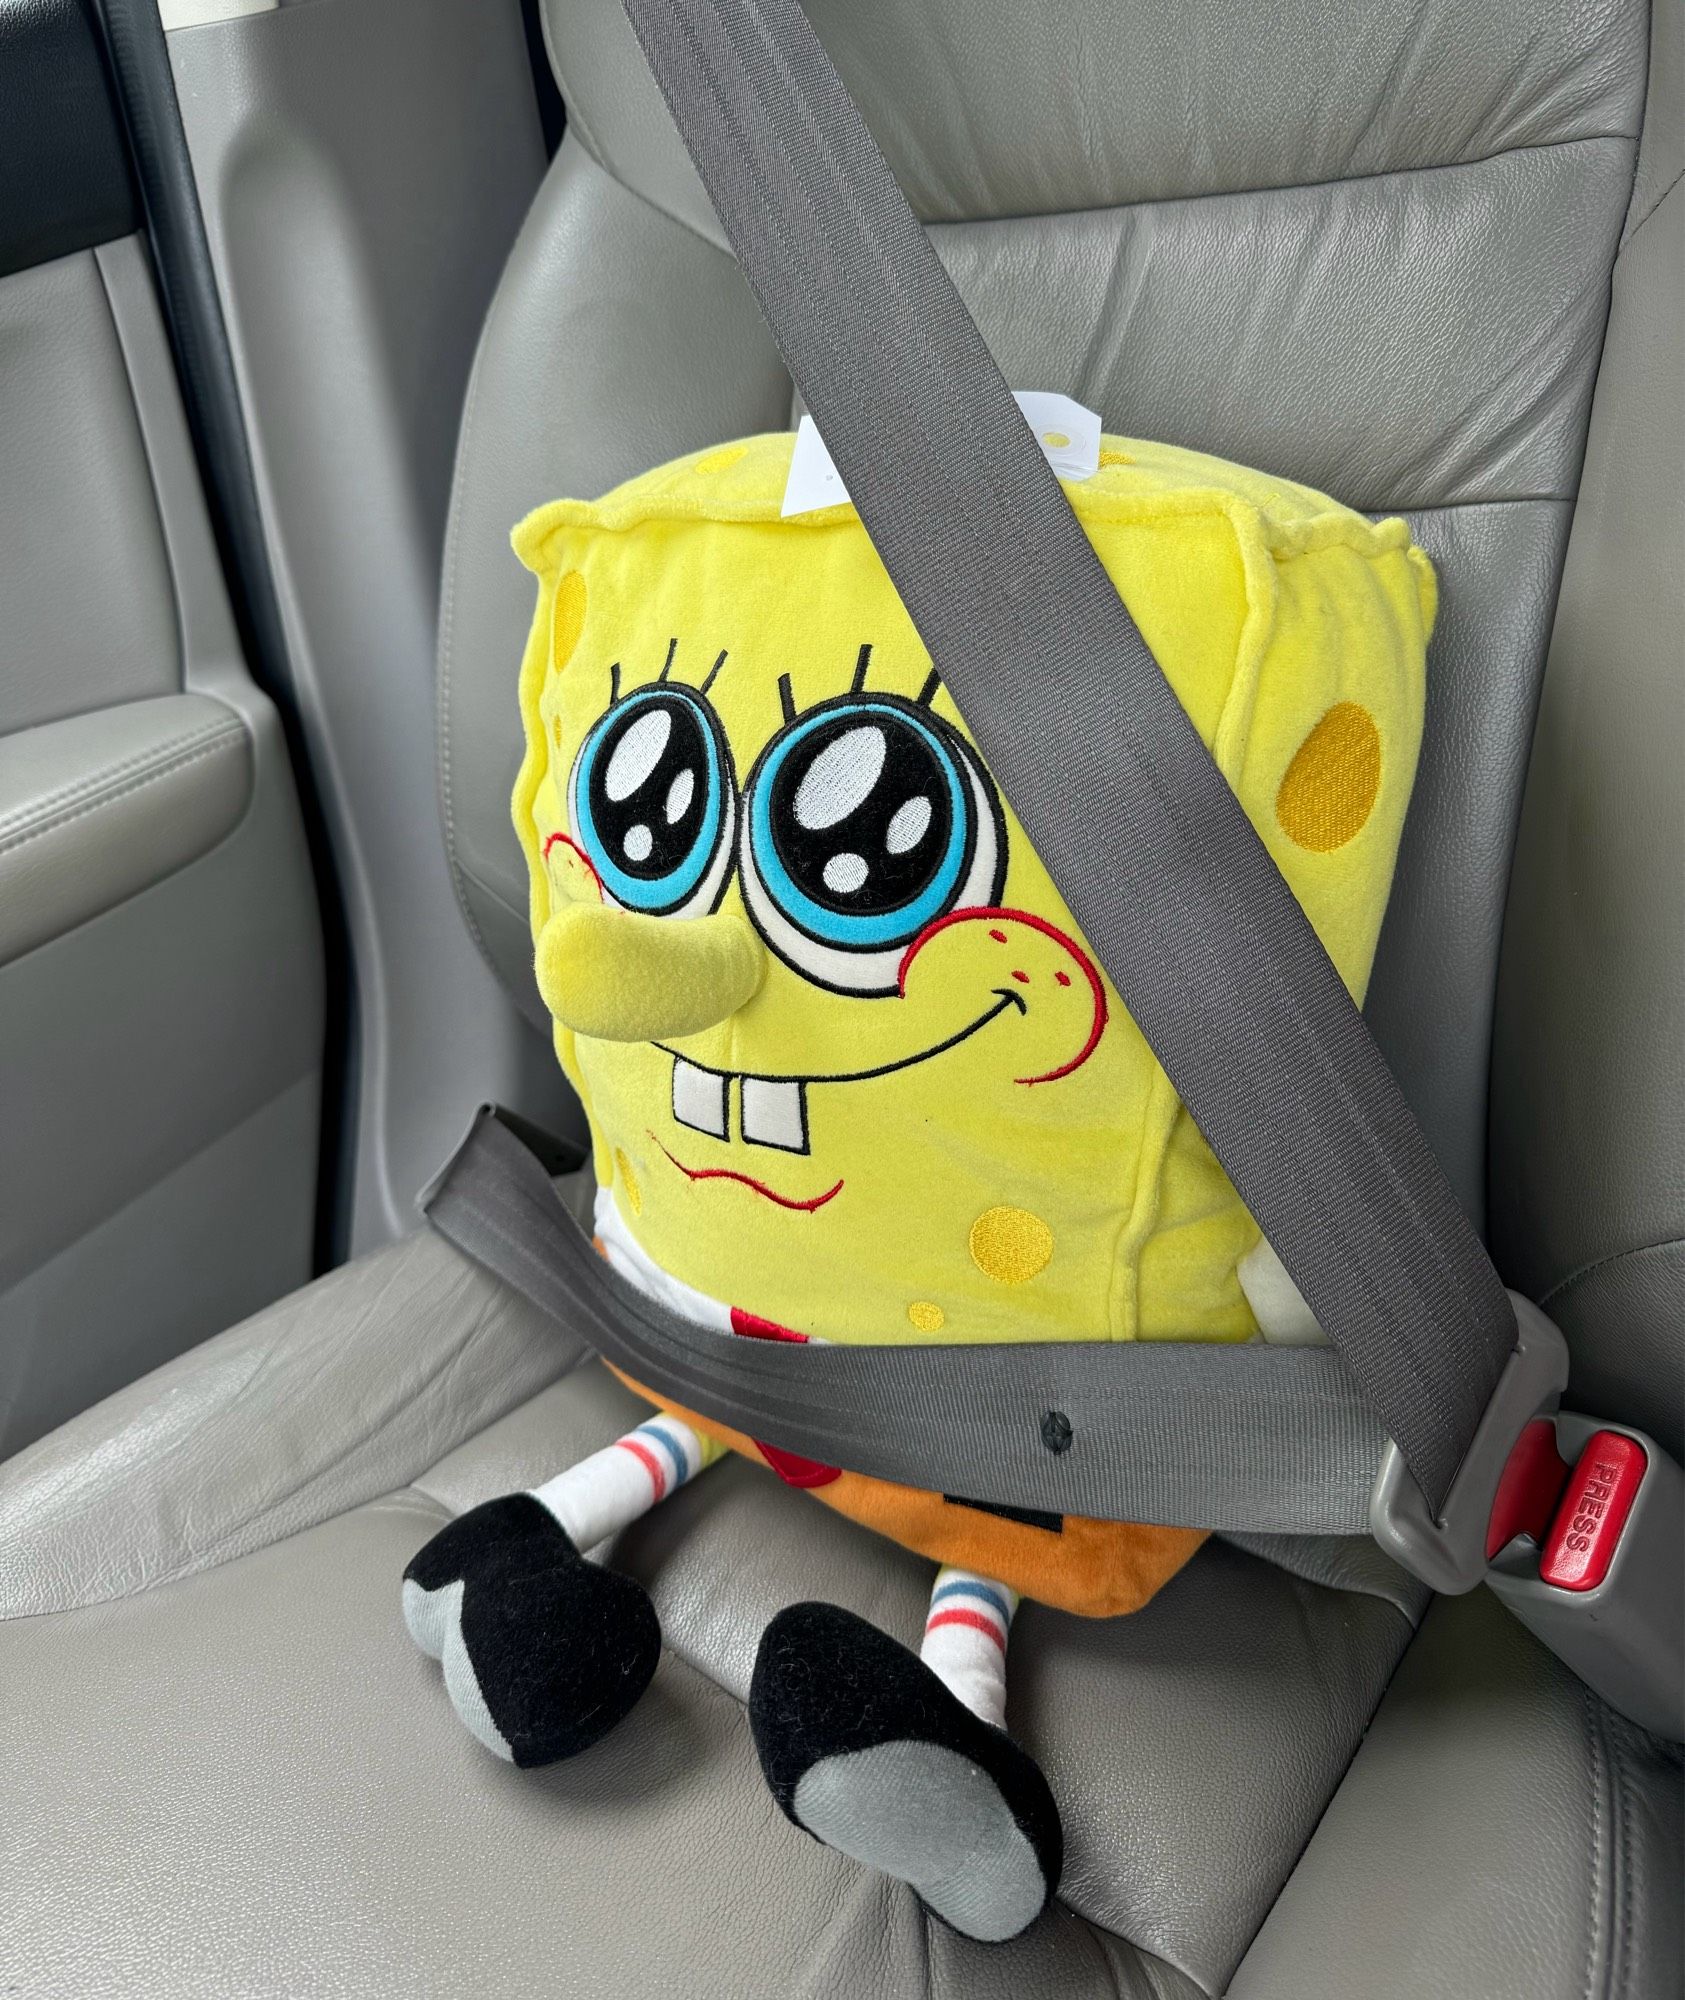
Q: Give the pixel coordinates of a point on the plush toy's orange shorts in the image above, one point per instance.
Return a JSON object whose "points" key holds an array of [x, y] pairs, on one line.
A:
{"points": [[1098, 1569]]}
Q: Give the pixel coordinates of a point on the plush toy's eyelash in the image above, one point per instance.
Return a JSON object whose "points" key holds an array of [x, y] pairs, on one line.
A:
{"points": [[786, 695], [666, 670]]}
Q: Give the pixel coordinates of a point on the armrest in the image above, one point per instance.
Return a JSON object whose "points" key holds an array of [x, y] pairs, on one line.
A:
{"points": [[100, 806]]}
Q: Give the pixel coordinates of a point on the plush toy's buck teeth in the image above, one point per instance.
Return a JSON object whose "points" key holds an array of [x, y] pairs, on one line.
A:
{"points": [[699, 1098], [774, 1110], [775, 1113]]}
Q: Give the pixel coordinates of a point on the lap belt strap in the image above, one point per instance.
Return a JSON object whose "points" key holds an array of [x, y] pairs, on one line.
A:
{"points": [[1255, 1439], [1257, 1443], [1167, 877]]}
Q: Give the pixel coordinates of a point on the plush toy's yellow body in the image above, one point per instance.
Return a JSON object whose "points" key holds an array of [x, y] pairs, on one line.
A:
{"points": [[851, 1070]]}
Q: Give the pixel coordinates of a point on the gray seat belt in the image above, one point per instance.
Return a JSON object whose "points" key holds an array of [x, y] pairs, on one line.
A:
{"points": [[1165, 874], [1271, 1447]]}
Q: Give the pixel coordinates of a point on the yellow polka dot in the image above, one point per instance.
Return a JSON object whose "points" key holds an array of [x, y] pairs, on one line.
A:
{"points": [[567, 620], [1010, 1244], [634, 1193], [1329, 789], [1116, 458], [722, 460], [1055, 440], [927, 1316]]}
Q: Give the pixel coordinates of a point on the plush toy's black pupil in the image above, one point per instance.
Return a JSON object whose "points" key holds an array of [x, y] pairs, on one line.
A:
{"points": [[649, 786], [860, 813]]}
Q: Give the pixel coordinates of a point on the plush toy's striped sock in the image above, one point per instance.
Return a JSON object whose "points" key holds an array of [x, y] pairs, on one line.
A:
{"points": [[607, 1491], [965, 1640]]}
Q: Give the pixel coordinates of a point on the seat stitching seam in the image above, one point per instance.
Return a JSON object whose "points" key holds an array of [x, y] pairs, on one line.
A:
{"points": [[1175, 200], [1295, 187], [1458, 506], [1594, 1924], [421, 1497], [1597, 1264], [1618, 1967], [447, 636], [600, 162], [109, 795], [491, 892], [415, 1485], [1633, 228]]}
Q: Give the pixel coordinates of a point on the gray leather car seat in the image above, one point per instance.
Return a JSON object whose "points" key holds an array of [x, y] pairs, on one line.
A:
{"points": [[1378, 250]]}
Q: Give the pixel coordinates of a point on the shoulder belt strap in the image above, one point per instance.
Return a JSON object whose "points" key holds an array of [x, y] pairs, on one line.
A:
{"points": [[1186, 911]]}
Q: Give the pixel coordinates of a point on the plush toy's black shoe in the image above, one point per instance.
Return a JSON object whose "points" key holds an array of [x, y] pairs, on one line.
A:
{"points": [[543, 1652], [867, 1750]]}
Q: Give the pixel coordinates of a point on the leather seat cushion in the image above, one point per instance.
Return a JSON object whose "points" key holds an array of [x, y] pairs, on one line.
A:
{"points": [[231, 1735], [226, 1770]]}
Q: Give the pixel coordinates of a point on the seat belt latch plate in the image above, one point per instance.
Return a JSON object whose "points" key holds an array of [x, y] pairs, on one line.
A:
{"points": [[1503, 1468]]}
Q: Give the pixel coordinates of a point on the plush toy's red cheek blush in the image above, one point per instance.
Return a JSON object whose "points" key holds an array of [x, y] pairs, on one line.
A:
{"points": [[1069, 964], [584, 860]]}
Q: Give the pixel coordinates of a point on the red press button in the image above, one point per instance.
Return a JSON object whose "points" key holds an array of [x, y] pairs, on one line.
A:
{"points": [[1595, 1505]]}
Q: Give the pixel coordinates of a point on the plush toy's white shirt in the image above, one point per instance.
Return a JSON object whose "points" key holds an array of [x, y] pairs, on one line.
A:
{"points": [[1284, 1320]]}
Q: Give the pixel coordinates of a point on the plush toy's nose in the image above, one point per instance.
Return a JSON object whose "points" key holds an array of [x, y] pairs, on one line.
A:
{"points": [[622, 977]]}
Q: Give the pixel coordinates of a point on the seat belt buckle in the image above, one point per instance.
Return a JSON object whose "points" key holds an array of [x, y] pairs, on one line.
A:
{"points": [[1577, 1524], [1597, 1569]]}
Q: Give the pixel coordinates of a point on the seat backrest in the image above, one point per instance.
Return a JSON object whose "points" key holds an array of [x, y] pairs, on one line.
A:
{"points": [[1588, 1076], [1367, 248]]}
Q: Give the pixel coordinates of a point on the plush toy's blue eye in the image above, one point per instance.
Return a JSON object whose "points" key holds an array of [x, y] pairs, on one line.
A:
{"points": [[653, 804], [865, 820]]}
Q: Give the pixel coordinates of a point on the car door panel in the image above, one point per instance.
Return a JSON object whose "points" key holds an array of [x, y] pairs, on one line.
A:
{"points": [[161, 987]]}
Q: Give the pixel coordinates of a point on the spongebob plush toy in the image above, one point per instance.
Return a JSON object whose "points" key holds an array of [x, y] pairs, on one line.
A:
{"points": [[853, 1074]]}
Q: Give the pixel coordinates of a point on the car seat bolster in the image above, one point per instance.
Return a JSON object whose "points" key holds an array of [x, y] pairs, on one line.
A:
{"points": [[333, 1396]]}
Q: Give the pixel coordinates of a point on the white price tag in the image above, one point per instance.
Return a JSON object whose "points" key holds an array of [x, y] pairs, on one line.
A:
{"points": [[1068, 434], [814, 481]]}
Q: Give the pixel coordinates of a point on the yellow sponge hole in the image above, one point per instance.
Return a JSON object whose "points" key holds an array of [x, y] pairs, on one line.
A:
{"points": [[1328, 791], [1010, 1244]]}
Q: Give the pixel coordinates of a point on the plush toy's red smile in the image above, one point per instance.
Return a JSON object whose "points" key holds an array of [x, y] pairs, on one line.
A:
{"points": [[746, 1180]]}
